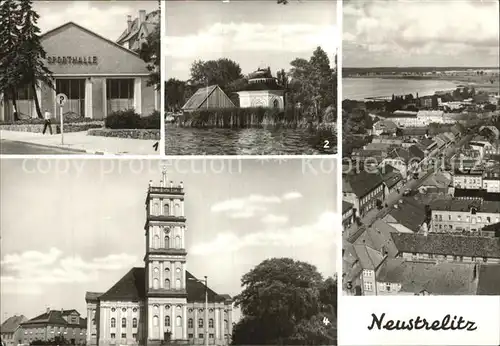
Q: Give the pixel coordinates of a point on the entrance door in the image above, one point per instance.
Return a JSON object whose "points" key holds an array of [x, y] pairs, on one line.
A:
{"points": [[74, 89]]}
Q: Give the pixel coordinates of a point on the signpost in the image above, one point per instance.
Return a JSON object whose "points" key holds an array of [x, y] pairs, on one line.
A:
{"points": [[61, 100]]}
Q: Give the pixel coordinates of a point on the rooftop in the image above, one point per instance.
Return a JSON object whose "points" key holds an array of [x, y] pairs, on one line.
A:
{"points": [[410, 213], [489, 280], [453, 204], [444, 244], [56, 317], [11, 324], [346, 206], [362, 183]]}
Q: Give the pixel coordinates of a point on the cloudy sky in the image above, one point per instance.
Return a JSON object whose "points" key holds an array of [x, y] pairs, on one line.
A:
{"points": [[106, 18], [71, 226], [420, 33], [253, 33]]}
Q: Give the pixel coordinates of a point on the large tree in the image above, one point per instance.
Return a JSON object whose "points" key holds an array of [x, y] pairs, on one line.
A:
{"points": [[33, 55], [150, 52], [221, 72], [175, 94], [10, 60], [292, 297]]}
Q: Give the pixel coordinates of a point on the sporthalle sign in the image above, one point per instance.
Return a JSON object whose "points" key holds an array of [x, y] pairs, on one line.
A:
{"points": [[72, 60]]}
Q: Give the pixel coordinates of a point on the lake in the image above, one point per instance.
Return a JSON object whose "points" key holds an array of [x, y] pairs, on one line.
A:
{"points": [[361, 88], [251, 141]]}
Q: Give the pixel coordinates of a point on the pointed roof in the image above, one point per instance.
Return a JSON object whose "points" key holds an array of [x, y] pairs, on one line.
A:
{"points": [[132, 287], [11, 324], [152, 18], [202, 95], [68, 24], [55, 317]]}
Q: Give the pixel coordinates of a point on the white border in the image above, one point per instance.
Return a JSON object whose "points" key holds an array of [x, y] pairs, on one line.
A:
{"points": [[163, 26]]}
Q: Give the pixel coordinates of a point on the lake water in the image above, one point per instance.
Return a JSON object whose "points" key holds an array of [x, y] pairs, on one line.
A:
{"points": [[253, 141], [361, 88]]}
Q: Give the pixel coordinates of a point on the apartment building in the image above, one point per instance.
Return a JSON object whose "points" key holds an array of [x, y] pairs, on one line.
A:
{"points": [[364, 190]]}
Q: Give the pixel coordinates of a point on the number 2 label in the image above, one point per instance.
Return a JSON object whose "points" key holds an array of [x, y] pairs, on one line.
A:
{"points": [[326, 145]]}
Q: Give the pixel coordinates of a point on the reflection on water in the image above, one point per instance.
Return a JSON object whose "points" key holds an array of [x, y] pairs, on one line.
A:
{"points": [[252, 141]]}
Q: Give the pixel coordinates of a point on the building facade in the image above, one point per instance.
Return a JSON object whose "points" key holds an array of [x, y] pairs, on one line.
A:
{"points": [[139, 29], [262, 91], [472, 179], [97, 75], [347, 214], [364, 190], [56, 325], [161, 301], [11, 331]]}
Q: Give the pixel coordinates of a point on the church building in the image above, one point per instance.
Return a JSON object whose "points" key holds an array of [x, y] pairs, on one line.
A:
{"points": [[161, 301], [262, 91]]}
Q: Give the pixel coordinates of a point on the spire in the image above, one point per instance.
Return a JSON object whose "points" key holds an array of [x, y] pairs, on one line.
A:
{"points": [[164, 176]]}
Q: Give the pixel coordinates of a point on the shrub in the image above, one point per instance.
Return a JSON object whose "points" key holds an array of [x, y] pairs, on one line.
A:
{"points": [[125, 119], [151, 121]]}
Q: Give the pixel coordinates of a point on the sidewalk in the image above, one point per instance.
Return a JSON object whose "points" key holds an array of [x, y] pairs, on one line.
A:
{"points": [[79, 141]]}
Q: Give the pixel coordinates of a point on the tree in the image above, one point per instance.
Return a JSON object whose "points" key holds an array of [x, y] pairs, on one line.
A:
{"points": [[150, 52], [10, 60], [32, 53], [289, 295], [175, 94], [220, 72]]}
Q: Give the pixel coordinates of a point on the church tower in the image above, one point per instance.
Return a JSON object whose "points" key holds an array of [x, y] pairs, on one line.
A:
{"points": [[165, 263]]}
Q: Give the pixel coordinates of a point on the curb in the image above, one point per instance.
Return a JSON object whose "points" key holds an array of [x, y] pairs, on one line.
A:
{"points": [[70, 150]]}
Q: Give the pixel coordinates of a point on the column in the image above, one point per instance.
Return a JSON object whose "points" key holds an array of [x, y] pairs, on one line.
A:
{"points": [[221, 324], [195, 322], [161, 317], [150, 321], [216, 325], [184, 322], [172, 321], [105, 101], [138, 95], [88, 98], [89, 325], [183, 246]]}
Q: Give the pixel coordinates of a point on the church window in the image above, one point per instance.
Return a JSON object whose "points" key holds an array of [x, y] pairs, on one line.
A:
{"points": [[211, 323], [124, 323], [124, 310], [177, 284], [177, 242], [167, 307], [93, 321], [155, 321], [178, 321], [167, 321], [156, 242], [113, 309], [134, 323], [211, 310], [113, 335], [134, 310], [276, 104], [167, 242], [200, 323], [178, 270], [167, 284], [190, 323], [113, 323], [156, 270], [155, 209], [156, 283], [166, 209]]}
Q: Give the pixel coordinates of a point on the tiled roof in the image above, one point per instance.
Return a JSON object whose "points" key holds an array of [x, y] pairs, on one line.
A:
{"points": [[441, 278], [390, 175], [368, 258], [362, 183], [453, 204], [199, 97], [270, 84], [386, 125], [477, 193], [346, 206], [489, 280], [410, 213], [11, 324], [438, 180], [55, 317], [378, 237], [92, 296], [444, 244], [416, 152], [151, 18], [132, 287]]}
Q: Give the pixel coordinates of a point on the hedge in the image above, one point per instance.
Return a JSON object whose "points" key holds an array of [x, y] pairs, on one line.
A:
{"points": [[129, 119]]}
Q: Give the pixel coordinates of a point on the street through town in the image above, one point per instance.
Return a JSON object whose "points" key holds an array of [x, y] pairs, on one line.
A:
{"points": [[20, 148]]}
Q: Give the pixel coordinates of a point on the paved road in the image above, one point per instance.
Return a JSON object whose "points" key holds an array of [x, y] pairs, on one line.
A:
{"points": [[376, 214], [20, 148]]}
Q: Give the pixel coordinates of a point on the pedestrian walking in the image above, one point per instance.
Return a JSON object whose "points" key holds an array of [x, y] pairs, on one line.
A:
{"points": [[47, 122]]}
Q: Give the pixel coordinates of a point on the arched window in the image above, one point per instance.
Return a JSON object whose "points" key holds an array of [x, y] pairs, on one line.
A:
{"points": [[167, 284], [134, 323], [155, 321], [167, 321], [178, 321], [93, 321], [155, 209], [167, 242], [177, 209], [276, 104], [124, 323], [156, 283], [177, 284], [211, 323], [177, 242], [190, 323], [200, 323], [166, 209], [156, 242], [113, 323]]}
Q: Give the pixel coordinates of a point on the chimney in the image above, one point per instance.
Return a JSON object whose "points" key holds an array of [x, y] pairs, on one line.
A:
{"points": [[129, 23], [48, 309], [181, 185], [142, 17]]}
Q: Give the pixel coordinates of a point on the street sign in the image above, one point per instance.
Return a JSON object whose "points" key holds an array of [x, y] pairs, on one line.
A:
{"points": [[61, 99]]}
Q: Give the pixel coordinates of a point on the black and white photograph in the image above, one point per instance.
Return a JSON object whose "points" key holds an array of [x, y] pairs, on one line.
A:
{"points": [[159, 252], [80, 77], [250, 77], [420, 148]]}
